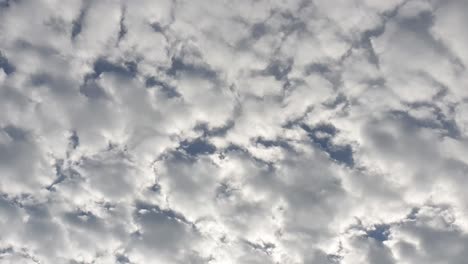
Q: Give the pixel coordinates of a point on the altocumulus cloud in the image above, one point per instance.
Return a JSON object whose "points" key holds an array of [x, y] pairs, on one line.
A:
{"points": [[249, 131]]}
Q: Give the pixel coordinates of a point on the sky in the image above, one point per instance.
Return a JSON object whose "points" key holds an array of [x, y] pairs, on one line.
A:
{"points": [[225, 132]]}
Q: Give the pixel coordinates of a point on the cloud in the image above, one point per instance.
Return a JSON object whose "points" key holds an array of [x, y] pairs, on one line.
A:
{"points": [[233, 131]]}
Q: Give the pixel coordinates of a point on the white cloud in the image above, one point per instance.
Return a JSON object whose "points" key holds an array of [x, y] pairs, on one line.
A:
{"points": [[233, 131]]}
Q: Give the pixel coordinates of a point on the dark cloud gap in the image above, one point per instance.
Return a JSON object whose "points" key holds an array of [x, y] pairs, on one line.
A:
{"points": [[321, 136], [334, 258], [57, 24], [380, 232], [39, 79], [60, 85], [176, 153], [225, 190], [168, 213], [136, 235], [6, 65], [376, 82], [290, 23], [342, 154], [74, 140], [16, 133], [367, 44], [59, 173], [21, 252], [326, 71], [92, 90], [366, 39], [42, 50], [6, 250], [93, 193], [90, 87], [84, 219], [372, 33], [157, 27], [317, 68], [272, 143], [123, 30], [16, 200], [62, 174], [7, 203], [107, 205], [77, 24], [37, 211], [413, 215], [197, 147], [168, 90], [294, 23], [214, 131], [368, 35], [122, 259], [127, 69], [259, 30], [155, 188], [335, 102], [178, 66], [112, 146], [323, 127], [420, 23], [233, 148], [264, 247], [278, 69], [7, 3], [449, 127]]}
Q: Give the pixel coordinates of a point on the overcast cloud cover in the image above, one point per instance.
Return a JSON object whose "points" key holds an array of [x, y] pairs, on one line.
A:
{"points": [[246, 131]]}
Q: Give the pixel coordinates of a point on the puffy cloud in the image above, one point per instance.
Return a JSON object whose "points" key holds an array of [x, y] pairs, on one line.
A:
{"points": [[263, 131]]}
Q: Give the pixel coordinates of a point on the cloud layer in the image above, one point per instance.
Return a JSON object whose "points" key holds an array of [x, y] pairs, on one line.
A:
{"points": [[250, 131]]}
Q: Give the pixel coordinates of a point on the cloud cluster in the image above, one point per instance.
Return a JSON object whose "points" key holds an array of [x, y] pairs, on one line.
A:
{"points": [[250, 131]]}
